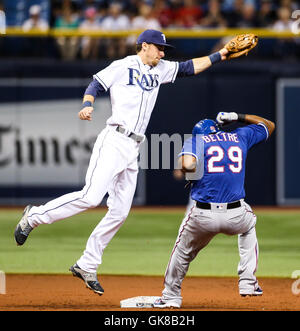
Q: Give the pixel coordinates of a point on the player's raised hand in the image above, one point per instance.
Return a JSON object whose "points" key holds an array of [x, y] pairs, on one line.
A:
{"points": [[86, 113], [223, 52], [223, 117]]}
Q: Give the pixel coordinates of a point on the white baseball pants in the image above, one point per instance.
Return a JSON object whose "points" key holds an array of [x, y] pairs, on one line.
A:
{"points": [[197, 229], [113, 168]]}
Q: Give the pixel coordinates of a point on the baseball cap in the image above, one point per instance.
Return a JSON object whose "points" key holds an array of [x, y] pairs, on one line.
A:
{"points": [[153, 37]]}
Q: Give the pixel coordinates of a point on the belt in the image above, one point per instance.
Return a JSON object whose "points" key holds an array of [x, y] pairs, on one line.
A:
{"points": [[230, 205], [136, 137]]}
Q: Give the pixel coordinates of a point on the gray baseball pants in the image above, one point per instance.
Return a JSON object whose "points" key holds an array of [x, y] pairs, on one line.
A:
{"points": [[197, 229]]}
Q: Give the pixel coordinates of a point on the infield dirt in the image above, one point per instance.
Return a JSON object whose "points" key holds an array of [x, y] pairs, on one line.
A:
{"points": [[64, 292]]}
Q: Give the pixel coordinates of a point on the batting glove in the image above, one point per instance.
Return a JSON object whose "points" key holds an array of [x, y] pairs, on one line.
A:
{"points": [[223, 117]]}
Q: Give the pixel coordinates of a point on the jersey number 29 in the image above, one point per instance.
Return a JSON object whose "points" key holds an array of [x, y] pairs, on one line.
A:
{"points": [[234, 154]]}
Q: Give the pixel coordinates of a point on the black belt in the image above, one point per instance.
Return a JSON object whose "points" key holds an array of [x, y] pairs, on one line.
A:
{"points": [[137, 137], [230, 205]]}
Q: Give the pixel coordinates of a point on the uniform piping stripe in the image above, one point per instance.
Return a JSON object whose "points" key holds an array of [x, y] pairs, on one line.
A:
{"points": [[175, 72], [83, 194], [141, 101], [267, 131], [144, 114], [139, 111], [101, 82], [178, 241], [256, 256], [256, 251]]}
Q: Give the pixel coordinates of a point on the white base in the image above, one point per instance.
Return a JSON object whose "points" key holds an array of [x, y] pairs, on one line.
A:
{"points": [[138, 302]]}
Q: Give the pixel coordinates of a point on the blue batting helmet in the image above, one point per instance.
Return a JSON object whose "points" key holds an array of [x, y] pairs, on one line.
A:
{"points": [[205, 126]]}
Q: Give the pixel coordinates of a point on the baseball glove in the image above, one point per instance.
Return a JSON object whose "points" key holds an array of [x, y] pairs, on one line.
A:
{"points": [[241, 45]]}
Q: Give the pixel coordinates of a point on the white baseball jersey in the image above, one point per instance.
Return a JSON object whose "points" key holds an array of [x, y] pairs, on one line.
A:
{"points": [[133, 89]]}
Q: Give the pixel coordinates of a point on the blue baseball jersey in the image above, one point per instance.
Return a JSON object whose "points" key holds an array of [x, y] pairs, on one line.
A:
{"points": [[222, 157]]}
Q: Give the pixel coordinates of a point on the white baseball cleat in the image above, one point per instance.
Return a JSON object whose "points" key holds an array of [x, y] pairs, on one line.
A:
{"points": [[160, 303]]}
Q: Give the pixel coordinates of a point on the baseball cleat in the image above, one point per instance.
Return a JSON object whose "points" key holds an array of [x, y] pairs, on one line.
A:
{"points": [[256, 293], [160, 303], [89, 278], [23, 228]]}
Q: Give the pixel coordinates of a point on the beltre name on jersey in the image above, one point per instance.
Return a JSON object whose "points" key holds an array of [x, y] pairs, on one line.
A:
{"points": [[222, 136]]}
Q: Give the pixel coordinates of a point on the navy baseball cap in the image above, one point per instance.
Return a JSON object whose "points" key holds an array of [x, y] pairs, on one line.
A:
{"points": [[153, 37]]}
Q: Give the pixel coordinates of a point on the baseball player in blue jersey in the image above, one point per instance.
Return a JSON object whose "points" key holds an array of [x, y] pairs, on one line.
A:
{"points": [[133, 83], [217, 159]]}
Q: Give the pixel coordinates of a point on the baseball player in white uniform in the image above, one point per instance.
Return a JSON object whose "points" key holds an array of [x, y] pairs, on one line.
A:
{"points": [[133, 83]]}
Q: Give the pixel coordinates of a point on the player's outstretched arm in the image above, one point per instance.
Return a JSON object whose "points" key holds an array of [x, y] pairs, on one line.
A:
{"points": [[224, 117], [238, 46], [203, 63]]}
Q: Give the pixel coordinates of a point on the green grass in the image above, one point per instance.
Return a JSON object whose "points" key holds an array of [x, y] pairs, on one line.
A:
{"points": [[144, 243]]}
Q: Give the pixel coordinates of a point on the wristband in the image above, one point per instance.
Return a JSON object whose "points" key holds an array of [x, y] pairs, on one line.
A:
{"points": [[241, 117], [215, 57], [87, 104]]}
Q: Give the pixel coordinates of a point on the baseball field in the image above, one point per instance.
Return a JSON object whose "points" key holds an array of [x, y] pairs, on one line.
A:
{"points": [[37, 276]]}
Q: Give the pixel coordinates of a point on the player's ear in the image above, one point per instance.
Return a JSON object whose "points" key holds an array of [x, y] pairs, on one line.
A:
{"points": [[145, 46]]}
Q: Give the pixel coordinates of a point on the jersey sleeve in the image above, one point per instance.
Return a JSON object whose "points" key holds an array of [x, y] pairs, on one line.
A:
{"points": [[253, 134], [169, 71], [109, 75], [193, 146]]}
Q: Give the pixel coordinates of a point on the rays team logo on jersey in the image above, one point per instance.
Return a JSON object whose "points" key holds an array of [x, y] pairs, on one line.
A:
{"points": [[146, 82]]}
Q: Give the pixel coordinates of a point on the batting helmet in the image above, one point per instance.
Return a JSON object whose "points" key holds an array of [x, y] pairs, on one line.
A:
{"points": [[205, 126]]}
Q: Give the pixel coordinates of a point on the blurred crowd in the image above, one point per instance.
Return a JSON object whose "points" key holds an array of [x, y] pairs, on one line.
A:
{"points": [[152, 14], [198, 14]]}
